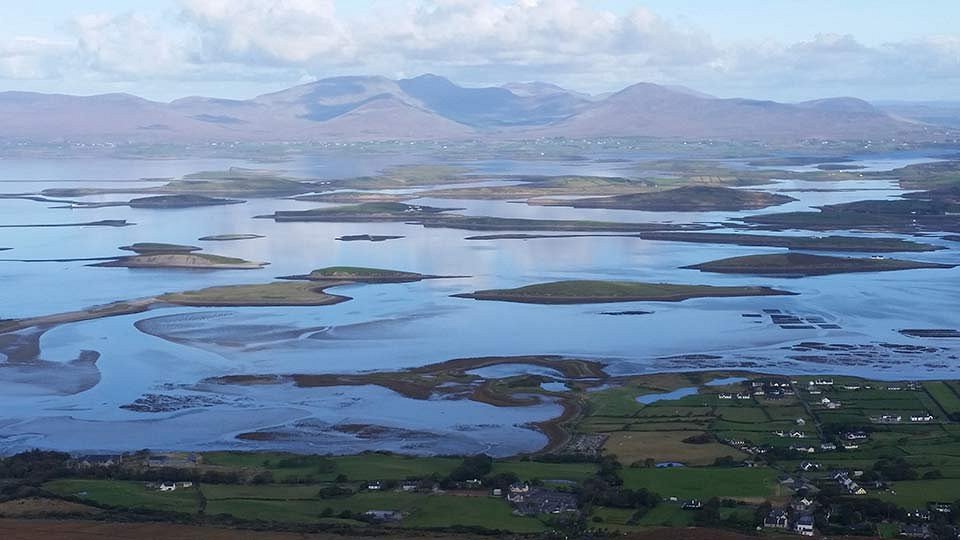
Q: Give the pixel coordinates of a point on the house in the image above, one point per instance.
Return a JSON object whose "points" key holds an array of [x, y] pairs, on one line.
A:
{"points": [[474, 483], [850, 446], [724, 396], [808, 466], [927, 417], [814, 392], [798, 435], [383, 515], [828, 447], [825, 401], [919, 515], [942, 507], [780, 433], [804, 525], [851, 387], [98, 460], [743, 396], [777, 519], [409, 486], [520, 487], [801, 422], [692, 504], [914, 531], [855, 435], [803, 449], [822, 382], [167, 486], [543, 501], [496, 492], [375, 485], [890, 418], [833, 405]]}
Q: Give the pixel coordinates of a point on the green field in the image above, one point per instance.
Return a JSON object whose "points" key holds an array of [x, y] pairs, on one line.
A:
{"points": [[359, 467], [127, 494], [704, 482], [945, 396], [423, 511], [533, 470]]}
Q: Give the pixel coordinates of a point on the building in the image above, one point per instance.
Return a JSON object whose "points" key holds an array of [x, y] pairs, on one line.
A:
{"points": [[543, 501], [375, 485], [777, 519], [383, 515], [692, 504], [926, 417], [804, 525], [914, 531], [828, 447], [98, 460], [167, 486]]}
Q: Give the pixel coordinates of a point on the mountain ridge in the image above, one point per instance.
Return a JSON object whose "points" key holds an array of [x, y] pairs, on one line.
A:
{"points": [[432, 107]]}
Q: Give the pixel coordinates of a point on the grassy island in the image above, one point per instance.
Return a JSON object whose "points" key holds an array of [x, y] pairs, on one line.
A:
{"points": [[229, 237], [363, 212], [360, 275], [180, 201], [154, 248], [681, 199], [813, 243], [200, 261], [595, 292], [280, 293], [802, 264]]}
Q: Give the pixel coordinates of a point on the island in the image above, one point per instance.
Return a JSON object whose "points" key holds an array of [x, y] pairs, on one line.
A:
{"points": [[353, 197], [813, 243], [360, 274], [180, 201], [367, 238], [229, 237], [803, 264], [363, 212], [682, 199], [279, 293], [154, 248], [198, 261], [101, 223], [598, 292]]}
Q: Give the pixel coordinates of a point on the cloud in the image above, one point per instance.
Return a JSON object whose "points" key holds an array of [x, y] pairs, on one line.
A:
{"points": [[572, 42], [25, 58]]}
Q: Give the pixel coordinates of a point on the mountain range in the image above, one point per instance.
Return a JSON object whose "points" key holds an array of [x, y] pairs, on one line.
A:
{"points": [[432, 107]]}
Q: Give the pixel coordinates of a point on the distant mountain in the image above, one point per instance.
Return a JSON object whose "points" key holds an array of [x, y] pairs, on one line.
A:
{"points": [[432, 107], [650, 110], [941, 113]]}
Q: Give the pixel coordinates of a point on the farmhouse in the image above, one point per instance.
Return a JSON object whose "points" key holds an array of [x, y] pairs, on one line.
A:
{"points": [[777, 519]]}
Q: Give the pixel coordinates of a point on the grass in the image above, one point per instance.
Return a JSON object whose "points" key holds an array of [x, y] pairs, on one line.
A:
{"points": [[664, 446], [944, 395], [127, 494], [530, 470], [591, 291], [618, 402], [797, 264], [917, 493], [280, 293], [704, 482], [369, 466], [667, 515], [424, 511]]}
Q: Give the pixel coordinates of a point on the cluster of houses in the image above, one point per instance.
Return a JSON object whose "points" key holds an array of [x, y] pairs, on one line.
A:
{"points": [[798, 521], [845, 482], [918, 418], [529, 501]]}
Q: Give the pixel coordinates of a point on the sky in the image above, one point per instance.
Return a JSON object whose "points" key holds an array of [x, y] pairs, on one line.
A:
{"points": [[788, 50]]}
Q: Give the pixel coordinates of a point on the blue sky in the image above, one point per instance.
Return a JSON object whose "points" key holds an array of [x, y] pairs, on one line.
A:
{"points": [[779, 49]]}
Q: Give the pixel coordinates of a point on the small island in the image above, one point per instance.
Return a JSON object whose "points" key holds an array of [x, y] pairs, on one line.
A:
{"points": [[353, 197], [278, 293], [229, 237], [802, 264], [197, 261], [681, 199], [814, 243], [180, 201], [367, 238], [359, 274], [154, 248], [101, 223], [363, 212], [598, 292]]}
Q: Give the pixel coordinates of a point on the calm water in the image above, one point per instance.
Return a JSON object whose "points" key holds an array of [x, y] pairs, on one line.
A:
{"points": [[400, 325]]}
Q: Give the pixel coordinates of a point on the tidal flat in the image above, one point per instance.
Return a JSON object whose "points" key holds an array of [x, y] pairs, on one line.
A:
{"points": [[156, 354]]}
